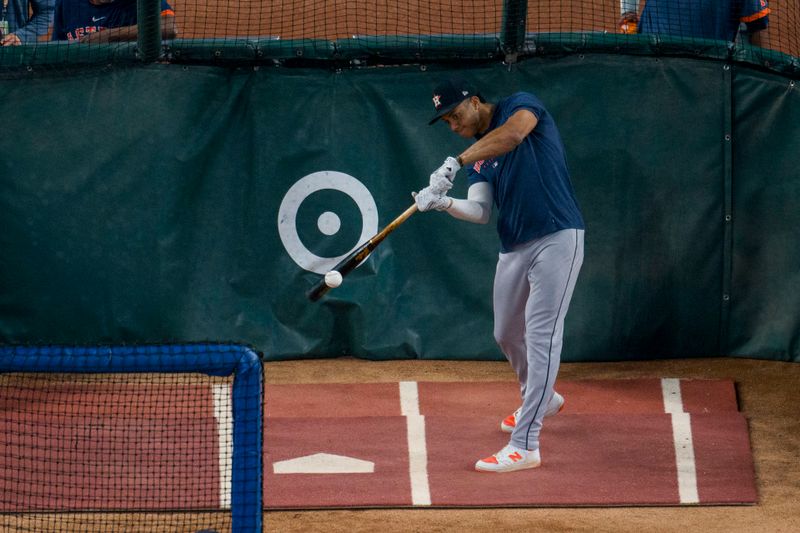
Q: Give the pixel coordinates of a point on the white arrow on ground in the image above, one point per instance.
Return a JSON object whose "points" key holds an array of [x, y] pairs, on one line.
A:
{"points": [[323, 463]]}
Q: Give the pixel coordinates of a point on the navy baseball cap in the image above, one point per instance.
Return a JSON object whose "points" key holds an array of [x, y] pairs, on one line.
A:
{"points": [[448, 94]]}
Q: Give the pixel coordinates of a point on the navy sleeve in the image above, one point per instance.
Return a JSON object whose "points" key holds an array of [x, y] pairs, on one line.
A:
{"points": [[527, 101], [755, 13], [58, 17], [473, 177]]}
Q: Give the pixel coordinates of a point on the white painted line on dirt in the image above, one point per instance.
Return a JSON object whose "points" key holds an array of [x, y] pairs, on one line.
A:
{"points": [[682, 440], [417, 449], [223, 414], [409, 398], [684, 457], [671, 392]]}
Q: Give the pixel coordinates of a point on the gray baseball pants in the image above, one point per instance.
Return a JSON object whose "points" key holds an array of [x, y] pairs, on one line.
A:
{"points": [[533, 287]]}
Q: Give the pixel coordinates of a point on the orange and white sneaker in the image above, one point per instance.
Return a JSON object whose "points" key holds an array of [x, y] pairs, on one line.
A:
{"points": [[509, 459], [553, 408]]}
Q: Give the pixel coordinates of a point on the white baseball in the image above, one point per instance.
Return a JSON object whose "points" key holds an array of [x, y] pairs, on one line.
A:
{"points": [[333, 279]]}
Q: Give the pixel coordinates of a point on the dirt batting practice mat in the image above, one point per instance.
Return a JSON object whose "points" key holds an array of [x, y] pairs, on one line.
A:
{"points": [[414, 444], [404, 444]]}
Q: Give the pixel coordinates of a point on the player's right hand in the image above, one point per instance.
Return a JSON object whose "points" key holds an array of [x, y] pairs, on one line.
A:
{"points": [[448, 169], [440, 183]]}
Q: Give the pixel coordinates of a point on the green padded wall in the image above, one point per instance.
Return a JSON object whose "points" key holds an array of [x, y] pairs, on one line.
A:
{"points": [[144, 205], [765, 300]]}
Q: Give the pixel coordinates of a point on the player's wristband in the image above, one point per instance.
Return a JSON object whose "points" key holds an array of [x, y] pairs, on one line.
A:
{"points": [[459, 161]]}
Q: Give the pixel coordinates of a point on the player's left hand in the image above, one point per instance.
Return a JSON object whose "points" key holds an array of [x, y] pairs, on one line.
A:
{"points": [[427, 200]]}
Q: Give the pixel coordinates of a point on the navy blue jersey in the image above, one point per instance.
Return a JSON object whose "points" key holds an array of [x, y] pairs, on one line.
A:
{"points": [[708, 19], [76, 18], [532, 187]]}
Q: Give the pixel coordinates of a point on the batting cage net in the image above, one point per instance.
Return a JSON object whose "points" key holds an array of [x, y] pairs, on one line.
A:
{"points": [[69, 33], [156, 438]]}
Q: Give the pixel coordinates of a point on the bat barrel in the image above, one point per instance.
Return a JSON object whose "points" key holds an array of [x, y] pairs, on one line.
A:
{"points": [[318, 291], [349, 263]]}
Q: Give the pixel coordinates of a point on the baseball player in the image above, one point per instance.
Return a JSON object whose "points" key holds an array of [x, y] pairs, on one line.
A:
{"points": [[103, 21], [707, 19], [517, 163]]}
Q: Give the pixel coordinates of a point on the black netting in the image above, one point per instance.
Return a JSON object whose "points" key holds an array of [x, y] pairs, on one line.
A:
{"points": [[139, 439], [120, 31]]}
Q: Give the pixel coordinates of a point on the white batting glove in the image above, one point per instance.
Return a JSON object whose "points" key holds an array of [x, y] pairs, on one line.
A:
{"points": [[427, 200], [439, 183], [450, 167]]}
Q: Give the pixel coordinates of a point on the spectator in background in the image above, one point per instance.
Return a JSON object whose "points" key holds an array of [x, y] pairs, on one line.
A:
{"points": [[706, 19], [104, 21], [24, 28]]}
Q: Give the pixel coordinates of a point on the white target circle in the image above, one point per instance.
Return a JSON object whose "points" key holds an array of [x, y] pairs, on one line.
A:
{"points": [[328, 223]]}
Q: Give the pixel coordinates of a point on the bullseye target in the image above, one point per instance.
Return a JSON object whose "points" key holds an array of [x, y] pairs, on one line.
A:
{"points": [[326, 223]]}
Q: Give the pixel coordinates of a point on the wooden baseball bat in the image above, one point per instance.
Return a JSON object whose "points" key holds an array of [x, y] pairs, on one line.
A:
{"points": [[349, 263]]}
